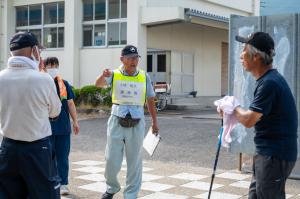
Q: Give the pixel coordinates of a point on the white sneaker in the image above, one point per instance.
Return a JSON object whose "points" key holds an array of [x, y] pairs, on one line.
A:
{"points": [[64, 190]]}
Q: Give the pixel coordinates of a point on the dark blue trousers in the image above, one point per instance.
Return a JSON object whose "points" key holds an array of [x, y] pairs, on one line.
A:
{"points": [[61, 145], [28, 170]]}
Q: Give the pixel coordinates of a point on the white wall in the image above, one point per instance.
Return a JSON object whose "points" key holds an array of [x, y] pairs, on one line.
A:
{"points": [[202, 41], [94, 61]]}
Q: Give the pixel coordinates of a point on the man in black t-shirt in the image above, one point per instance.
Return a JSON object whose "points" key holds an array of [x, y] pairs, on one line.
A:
{"points": [[273, 114]]}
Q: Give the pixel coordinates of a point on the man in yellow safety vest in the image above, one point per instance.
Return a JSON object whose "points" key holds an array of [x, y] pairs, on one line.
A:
{"points": [[131, 88]]}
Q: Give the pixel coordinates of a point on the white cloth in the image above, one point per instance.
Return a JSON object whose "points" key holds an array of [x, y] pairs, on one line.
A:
{"points": [[227, 104], [27, 99], [21, 62]]}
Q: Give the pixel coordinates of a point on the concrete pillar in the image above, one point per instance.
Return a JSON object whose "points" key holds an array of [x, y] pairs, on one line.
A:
{"points": [[137, 33], [256, 7], [73, 16], [8, 21]]}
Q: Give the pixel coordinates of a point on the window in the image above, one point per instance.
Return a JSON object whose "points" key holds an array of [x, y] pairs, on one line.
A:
{"points": [[46, 21], [50, 37], [38, 34], [149, 63], [99, 36], [104, 22], [35, 15], [123, 33], [100, 9], [87, 35], [161, 63], [114, 9], [113, 33], [50, 13], [22, 16], [61, 12], [88, 10]]}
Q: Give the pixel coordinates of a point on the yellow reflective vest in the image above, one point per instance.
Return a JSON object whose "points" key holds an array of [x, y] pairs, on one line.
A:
{"points": [[129, 90]]}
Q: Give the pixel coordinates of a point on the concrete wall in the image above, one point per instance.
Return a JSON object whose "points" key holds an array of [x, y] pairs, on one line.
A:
{"points": [[28, 2], [203, 42], [8, 12]]}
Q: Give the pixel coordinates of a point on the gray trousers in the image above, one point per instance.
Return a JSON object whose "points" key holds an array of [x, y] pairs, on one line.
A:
{"points": [[269, 177], [122, 140]]}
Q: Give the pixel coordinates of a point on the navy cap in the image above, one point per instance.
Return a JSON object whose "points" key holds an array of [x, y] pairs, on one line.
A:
{"points": [[130, 51], [22, 40], [260, 40]]}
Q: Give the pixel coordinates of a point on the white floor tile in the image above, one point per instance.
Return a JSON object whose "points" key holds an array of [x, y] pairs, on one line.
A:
{"points": [[233, 176], [92, 177], [145, 169], [90, 169], [241, 184], [96, 187], [201, 185], [151, 186], [149, 177], [188, 176], [218, 195], [89, 163], [159, 195]]}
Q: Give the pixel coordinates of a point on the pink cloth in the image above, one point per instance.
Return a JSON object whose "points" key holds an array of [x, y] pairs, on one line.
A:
{"points": [[227, 104]]}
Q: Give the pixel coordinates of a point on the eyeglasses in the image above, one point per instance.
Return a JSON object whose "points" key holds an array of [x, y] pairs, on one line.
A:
{"points": [[132, 58]]}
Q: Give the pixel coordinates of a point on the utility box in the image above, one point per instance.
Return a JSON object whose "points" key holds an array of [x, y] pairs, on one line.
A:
{"points": [[285, 30]]}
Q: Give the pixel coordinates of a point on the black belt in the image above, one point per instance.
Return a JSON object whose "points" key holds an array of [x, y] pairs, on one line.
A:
{"points": [[9, 140], [128, 121]]}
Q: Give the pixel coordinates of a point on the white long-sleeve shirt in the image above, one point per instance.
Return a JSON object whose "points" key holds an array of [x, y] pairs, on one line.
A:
{"points": [[27, 99]]}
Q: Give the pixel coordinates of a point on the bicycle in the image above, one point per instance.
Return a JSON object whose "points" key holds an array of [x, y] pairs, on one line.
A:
{"points": [[162, 96]]}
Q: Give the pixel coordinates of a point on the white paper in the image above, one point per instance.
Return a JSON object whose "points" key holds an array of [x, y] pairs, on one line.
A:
{"points": [[151, 141]]}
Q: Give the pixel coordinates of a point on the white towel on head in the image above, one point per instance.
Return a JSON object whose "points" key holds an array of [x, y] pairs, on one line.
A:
{"points": [[228, 105]]}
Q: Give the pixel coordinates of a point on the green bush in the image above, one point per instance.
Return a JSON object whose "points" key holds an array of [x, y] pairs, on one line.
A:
{"points": [[92, 95]]}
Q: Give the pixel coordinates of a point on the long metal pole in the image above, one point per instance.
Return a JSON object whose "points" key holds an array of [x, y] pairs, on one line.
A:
{"points": [[216, 160]]}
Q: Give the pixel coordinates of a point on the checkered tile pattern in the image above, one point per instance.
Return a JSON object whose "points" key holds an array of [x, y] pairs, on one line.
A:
{"points": [[159, 185]]}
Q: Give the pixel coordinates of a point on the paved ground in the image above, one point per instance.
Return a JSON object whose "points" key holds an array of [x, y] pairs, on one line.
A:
{"points": [[181, 167]]}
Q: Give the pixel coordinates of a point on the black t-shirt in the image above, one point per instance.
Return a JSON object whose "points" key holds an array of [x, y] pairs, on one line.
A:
{"points": [[276, 131]]}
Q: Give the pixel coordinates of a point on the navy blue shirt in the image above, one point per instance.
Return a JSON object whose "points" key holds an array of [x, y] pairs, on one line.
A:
{"points": [[276, 131], [62, 125]]}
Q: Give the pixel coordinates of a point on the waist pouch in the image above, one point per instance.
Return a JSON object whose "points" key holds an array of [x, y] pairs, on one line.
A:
{"points": [[128, 121]]}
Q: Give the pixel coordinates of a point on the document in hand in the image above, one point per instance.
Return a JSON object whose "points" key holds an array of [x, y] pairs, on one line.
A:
{"points": [[151, 141]]}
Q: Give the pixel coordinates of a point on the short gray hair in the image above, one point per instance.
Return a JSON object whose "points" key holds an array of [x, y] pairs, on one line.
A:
{"points": [[265, 58]]}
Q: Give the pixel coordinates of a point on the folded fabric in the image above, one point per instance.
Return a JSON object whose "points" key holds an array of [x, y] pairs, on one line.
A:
{"points": [[227, 104], [62, 88]]}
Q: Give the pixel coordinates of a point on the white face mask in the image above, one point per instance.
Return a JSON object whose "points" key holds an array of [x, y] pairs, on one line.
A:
{"points": [[36, 61], [53, 72]]}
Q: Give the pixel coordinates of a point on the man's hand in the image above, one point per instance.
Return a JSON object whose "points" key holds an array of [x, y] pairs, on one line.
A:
{"points": [[155, 128], [107, 73], [100, 81], [42, 67], [76, 128], [221, 112]]}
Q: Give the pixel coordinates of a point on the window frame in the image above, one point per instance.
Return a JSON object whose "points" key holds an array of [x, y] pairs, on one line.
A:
{"points": [[43, 26], [105, 22]]}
